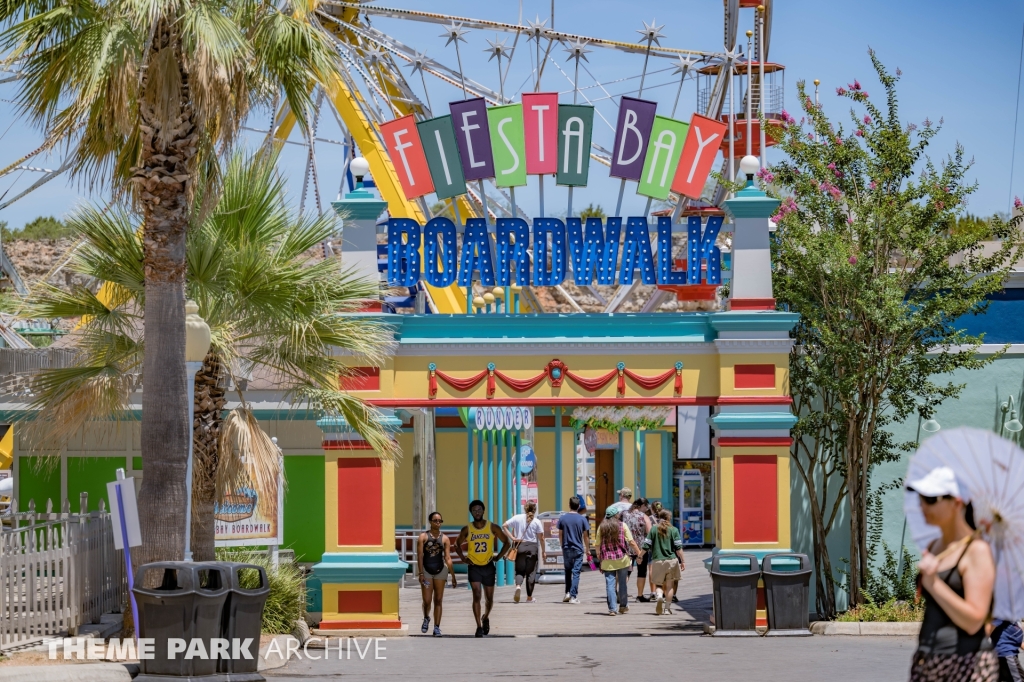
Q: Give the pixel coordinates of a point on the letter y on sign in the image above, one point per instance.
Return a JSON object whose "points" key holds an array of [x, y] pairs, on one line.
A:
{"points": [[702, 142]]}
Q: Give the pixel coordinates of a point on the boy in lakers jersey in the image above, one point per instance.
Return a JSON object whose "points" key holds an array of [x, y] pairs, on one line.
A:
{"points": [[476, 548]]}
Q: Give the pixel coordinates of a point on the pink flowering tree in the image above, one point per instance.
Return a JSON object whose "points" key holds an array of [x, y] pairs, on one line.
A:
{"points": [[867, 254]]}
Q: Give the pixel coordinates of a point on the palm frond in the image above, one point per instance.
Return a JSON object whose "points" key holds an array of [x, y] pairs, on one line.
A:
{"points": [[364, 419], [248, 459]]}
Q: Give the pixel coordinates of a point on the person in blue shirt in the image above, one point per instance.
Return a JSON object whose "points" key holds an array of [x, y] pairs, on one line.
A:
{"points": [[574, 531], [1008, 638]]}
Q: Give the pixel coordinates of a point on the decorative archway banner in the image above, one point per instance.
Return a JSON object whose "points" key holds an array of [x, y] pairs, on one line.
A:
{"points": [[556, 372]]}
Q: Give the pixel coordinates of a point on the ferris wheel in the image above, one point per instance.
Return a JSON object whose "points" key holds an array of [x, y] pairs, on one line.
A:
{"points": [[384, 78]]}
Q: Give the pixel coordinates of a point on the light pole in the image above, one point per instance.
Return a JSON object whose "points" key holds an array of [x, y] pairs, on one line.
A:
{"points": [[1013, 426], [929, 426], [197, 345]]}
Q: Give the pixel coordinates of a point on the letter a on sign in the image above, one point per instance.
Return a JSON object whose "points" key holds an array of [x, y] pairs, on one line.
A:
{"points": [[470, 120], [403, 143], [699, 152], [662, 156], [540, 123], [632, 134], [507, 145], [575, 126], [442, 156]]}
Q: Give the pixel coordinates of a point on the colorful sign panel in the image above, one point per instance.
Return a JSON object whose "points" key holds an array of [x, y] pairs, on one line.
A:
{"points": [[240, 521], [540, 124], [402, 141], [473, 137], [632, 136], [667, 137], [442, 154], [575, 128], [702, 142], [508, 145]]}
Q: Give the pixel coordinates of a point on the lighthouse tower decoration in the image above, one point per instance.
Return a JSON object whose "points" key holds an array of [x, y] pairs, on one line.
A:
{"points": [[751, 287]]}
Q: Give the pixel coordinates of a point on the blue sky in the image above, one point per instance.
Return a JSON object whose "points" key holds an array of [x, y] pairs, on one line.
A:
{"points": [[959, 63]]}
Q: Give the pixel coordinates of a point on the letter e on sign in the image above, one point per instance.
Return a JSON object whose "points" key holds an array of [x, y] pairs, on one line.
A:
{"points": [[402, 140], [702, 143]]}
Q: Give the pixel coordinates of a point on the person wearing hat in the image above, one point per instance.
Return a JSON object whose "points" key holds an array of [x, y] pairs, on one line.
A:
{"points": [[625, 499], [956, 577], [614, 543]]}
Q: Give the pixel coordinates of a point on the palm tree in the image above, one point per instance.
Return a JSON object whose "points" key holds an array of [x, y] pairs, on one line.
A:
{"points": [[142, 94], [274, 308]]}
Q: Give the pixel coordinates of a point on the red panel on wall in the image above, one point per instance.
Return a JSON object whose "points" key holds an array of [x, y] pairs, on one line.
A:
{"points": [[361, 379], [360, 601], [359, 503], [754, 376], [756, 498]]}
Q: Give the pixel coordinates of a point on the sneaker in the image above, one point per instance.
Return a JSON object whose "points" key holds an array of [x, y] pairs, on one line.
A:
{"points": [[437, 631], [623, 609], [660, 608], [668, 609], [612, 613], [487, 625], [479, 632], [642, 598], [425, 626], [574, 600], [675, 599], [519, 589], [531, 600], [566, 599]]}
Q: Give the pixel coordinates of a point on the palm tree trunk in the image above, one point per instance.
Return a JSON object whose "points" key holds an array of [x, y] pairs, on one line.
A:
{"points": [[168, 146], [209, 406]]}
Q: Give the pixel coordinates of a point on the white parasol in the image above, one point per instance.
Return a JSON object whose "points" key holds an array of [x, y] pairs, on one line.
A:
{"points": [[990, 473]]}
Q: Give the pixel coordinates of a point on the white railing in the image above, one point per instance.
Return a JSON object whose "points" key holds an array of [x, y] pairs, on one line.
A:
{"points": [[58, 571], [405, 545]]}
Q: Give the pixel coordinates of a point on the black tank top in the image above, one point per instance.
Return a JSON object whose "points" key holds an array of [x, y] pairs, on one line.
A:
{"points": [[433, 554], [939, 634]]}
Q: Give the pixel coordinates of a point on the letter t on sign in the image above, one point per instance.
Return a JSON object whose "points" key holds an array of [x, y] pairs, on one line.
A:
{"points": [[702, 247]]}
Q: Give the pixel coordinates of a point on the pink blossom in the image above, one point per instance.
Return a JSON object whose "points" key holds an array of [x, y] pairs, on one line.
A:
{"points": [[911, 127], [867, 120], [839, 174], [831, 189], [872, 185], [849, 221], [831, 166], [810, 136], [1017, 203], [940, 205], [899, 72], [840, 91], [927, 122], [855, 85], [853, 259], [864, 94], [766, 175], [859, 133], [839, 141]]}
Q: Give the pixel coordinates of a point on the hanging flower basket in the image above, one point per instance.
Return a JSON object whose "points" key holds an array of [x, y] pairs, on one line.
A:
{"points": [[615, 419]]}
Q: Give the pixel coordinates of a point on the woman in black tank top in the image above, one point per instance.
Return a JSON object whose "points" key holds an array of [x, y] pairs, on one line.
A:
{"points": [[956, 578], [434, 567]]}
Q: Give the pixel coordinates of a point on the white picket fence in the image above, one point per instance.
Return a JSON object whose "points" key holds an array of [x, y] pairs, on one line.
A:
{"points": [[58, 571]]}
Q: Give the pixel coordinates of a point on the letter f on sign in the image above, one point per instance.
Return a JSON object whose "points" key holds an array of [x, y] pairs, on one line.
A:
{"points": [[400, 148]]}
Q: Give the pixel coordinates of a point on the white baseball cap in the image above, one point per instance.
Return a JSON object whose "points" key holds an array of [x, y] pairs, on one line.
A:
{"points": [[938, 482]]}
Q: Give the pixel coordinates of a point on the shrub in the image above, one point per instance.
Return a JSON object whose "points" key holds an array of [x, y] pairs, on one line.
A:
{"points": [[286, 602], [891, 611]]}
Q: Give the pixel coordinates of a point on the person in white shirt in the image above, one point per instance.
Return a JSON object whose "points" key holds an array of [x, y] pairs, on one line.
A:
{"points": [[625, 500], [525, 531]]}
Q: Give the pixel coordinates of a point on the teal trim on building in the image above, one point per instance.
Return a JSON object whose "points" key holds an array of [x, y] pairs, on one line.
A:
{"points": [[360, 567], [360, 204], [338, 424], [752, 420], [750, 202], [761, 321], [667, 456]]}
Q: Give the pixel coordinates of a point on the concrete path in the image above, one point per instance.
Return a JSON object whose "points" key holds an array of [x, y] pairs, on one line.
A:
{"points": [[549, 616]]}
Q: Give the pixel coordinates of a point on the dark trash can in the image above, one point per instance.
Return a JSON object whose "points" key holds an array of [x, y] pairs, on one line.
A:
{"points": [[787, 580], [248, 589], [188, 604], [734, 583]]}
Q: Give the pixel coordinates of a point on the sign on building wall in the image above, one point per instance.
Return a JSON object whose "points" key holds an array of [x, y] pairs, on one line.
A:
{"points": [[240, 520]]}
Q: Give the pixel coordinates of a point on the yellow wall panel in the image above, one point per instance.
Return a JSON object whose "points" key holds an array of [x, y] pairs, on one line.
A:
{"points": [[728, 382], [652, 480], [403, 481], [452, 493]]}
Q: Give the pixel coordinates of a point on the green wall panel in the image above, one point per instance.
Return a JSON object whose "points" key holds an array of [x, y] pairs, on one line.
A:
{"points": [[91, 475], [38, 480], [304, 506]]}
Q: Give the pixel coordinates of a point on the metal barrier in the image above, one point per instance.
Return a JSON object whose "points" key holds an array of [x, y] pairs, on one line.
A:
{"points": [[58, 571], [405, 545]]}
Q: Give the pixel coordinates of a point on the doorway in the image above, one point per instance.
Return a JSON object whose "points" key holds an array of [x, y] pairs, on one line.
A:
{"points": [[604, 483]]}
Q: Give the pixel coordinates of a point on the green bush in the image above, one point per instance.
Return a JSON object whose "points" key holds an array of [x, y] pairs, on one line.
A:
{"points": [[890, 611], [287, 600]]}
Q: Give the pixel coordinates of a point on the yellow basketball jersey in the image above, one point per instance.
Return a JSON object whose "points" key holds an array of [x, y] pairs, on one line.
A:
{"points": [[480, 541]]}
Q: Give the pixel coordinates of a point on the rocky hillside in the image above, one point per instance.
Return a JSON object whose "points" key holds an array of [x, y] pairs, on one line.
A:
{"points": [[36, 258]]}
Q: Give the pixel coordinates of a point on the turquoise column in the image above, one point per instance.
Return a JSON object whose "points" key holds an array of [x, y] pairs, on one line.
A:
{"points": [[469, 471], [499, 494], [480, 472], [558, 459], [490, 474], [641, 475], [510, 510], [666, 467]]}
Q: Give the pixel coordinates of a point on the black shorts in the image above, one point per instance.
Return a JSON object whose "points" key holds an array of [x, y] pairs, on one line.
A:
{"points": [[641, 565], [485, 575]]}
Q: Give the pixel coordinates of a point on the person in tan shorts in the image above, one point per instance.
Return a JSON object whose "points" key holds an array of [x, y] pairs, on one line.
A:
{"points": [[667, 562]]}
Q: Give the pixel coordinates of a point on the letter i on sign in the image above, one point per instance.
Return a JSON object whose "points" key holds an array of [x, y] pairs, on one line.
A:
{"points": [[442, 154], [402, 141], [540, 125], [702, 143]]}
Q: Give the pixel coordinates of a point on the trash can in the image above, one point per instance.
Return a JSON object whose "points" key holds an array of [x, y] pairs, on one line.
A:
{"points": [[187, 605], [787, 580], [734, 584], [248, 589]]}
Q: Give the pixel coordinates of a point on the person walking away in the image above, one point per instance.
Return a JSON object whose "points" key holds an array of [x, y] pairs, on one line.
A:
{"points": [[526, 530], [480, 538], [639, 526], [574, 531], [956, 577], [434, 558], [667, 562], [1008, 638], [614, 544], [625, 499]]}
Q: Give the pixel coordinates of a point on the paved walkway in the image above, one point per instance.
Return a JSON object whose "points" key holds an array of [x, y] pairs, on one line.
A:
{"points": [[550, 617]]}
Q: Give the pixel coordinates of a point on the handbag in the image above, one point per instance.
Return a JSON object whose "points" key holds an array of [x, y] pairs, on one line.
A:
{"points": [[514, 552]]}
